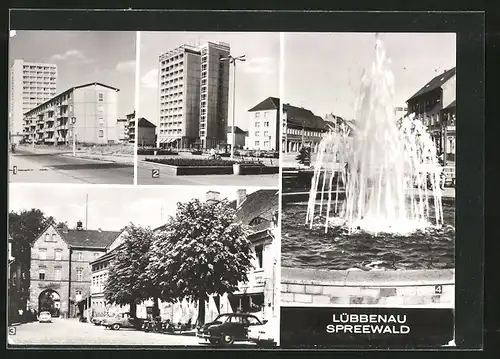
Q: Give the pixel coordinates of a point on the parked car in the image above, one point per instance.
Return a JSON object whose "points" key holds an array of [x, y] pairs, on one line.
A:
{"points": [[264, 335], [45, 317], [121, 320], [98, 320], [228, 328]]}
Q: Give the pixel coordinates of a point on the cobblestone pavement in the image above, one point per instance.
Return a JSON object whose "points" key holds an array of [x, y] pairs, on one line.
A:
{"points": [[57, 168], [72, 332]]}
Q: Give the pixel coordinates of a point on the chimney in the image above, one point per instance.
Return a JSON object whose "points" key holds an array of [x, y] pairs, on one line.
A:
{"points": [[213, 197], [79, 226], [63, 227], [241, 195]]}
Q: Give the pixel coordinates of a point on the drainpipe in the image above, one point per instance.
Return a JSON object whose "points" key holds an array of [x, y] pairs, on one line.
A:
{"points": [[69, 282]]}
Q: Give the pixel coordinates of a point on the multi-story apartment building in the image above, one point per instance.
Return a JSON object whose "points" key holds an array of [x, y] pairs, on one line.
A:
{"points": [[263, 132], [122, 130], [31, 84], [301, 128], [60, 267], [434, 105], [90, 110], [131, 127], [193, 96]]}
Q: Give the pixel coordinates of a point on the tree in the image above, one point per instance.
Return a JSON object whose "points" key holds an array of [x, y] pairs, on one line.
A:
{"points": [[201, 251], [128, 282], [304, 156], [24, 227]]}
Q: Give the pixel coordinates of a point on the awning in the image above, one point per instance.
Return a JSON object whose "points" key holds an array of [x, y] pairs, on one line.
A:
{"points": [[174, 139], [163, 140]]}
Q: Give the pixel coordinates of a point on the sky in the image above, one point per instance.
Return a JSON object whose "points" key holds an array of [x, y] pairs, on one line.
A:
{"points": [[323, 70], [83, 57], [256, 79], [109, 208]]}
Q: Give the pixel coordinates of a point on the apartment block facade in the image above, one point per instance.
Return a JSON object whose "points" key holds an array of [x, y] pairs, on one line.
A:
{"points": [[89, 110], [193, 96], [31, 84], [131, 127], [60, 260]]}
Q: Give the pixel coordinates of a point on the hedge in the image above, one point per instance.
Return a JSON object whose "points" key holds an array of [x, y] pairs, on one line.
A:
{"points": [[192, 162]]}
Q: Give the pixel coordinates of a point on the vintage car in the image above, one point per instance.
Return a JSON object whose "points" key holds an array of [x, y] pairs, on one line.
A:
{"points": [[121, 320], [228, 328], [264, 335], [449, 176], [45, 317]]}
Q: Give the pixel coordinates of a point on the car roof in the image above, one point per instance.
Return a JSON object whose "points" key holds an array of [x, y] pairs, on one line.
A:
{"points": [[240, 315]]}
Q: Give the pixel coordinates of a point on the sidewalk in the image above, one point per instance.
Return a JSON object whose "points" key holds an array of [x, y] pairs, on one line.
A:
{"points": [[116, 158]]}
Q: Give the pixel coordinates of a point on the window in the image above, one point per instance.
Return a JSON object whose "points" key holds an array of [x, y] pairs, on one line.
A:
{"points": [[42, 253], [58, 254], [47, 237], [52, 237], [79, 274], [79, 256], [253, 321], [78, 295], [266, 133], [256, 143], [58, 273], [259, 255], [265, 114], [235, 319], [100, 97], [266, 143], [41, 274], [101, 133], [257, 114], [257, 124], [266, 124], [257, 133]]}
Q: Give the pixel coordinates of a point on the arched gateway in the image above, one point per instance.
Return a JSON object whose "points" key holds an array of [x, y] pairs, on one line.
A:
{"points": [[50, 301]]}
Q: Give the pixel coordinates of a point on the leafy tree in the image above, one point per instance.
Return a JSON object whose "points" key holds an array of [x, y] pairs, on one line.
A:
{"points": [[128, 282], [201, 250], [24, 227], [46, 302], [304, 156]]}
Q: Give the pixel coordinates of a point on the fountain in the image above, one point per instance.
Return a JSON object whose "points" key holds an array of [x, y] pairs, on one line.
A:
{"points": [[377, 167]]}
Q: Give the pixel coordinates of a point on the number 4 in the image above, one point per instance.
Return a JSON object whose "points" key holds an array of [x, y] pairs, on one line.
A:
{"points": [[438, 289]]}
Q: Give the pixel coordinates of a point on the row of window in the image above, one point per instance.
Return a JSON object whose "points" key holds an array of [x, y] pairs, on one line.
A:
{"points": [[42, 274], [171, 131], [42, 254], [257, 133], [257, 124], [266, 144], [99, 280], [294, 131]]}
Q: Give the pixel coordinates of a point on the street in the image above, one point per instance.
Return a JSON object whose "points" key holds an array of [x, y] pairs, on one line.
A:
{"points": [[72, 332], [58, 167]]}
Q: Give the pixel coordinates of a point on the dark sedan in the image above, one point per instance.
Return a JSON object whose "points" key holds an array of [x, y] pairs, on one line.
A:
{"points": [[228, 328]]}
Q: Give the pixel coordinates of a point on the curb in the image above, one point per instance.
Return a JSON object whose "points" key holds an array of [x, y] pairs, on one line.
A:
{"points": [[99, 159]]}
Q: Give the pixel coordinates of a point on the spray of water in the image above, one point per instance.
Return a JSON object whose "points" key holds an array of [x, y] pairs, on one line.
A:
{"points": [[377, 165]]}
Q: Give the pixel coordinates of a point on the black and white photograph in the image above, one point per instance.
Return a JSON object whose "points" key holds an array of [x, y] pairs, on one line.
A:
{"points": [[99, 265], [208, 109], [368, 187], [71, 115]]}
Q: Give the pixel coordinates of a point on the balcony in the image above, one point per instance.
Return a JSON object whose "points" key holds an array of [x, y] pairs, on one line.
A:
{"points": [[63, 126], [49, 129]]}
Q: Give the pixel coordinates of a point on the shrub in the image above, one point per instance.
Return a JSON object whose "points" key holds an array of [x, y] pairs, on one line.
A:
{"points": [[191, 162], [166, 152], [141, 151]]}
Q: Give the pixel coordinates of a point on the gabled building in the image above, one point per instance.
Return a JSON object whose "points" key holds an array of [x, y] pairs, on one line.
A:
{"points": [[239, 136], [263, 132], [434, 105], [301, 128], [146, 133], [60, 272]]}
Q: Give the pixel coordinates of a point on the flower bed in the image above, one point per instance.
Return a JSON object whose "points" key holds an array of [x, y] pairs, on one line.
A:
{"points": [[193, 162]]}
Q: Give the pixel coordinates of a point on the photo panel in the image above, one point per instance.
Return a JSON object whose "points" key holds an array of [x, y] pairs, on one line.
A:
{"points": [[93, 260], [208, 109], [368, 190], [69, 99]]}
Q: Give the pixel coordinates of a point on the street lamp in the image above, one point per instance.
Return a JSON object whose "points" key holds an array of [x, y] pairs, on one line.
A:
{"points": [[73, 121], [232, 60]]}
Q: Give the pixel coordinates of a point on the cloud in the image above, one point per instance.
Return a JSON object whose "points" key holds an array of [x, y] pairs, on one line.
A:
{"points": [[259, 65], [74, 56], [150, 79], [126, 66]]}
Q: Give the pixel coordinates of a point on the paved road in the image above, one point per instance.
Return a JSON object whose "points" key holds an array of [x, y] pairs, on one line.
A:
{"points": [[144, 177], [72, 332], [57, 167]]}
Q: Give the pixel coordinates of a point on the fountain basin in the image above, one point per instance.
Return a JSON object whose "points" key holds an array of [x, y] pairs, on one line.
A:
{"points": [[412, 288]]}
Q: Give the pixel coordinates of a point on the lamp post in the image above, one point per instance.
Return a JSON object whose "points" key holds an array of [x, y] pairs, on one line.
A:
{"points": [[73, 121], [232, 60]]}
